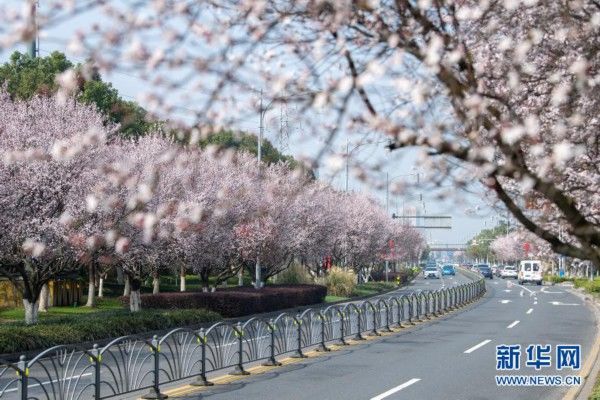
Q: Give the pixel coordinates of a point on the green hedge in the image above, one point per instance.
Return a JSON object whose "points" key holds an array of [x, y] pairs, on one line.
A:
{"points": [[558, 279], [16, 337], [239, 301], [589, 286]]}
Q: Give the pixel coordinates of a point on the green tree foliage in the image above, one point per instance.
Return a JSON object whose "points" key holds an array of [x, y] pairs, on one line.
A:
{"points": [[247, 142], [241, 141], [426, 253], [479, 246], [25, 76]]}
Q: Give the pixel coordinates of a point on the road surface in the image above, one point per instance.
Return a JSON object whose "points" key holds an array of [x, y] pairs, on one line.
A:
{"points": [[453, 357]]}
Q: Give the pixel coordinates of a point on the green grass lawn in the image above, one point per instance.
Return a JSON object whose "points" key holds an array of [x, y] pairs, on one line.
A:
{"points": [[372, 288], [104, 304], [363, 290], [595, 395], [333, 299]]}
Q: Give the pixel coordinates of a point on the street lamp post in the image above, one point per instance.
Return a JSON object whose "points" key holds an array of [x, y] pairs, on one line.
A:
{"points": [[262, 111], [387, 208]]}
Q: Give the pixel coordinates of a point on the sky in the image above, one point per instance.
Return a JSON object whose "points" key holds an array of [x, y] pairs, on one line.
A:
{"points": [[469, 211]]}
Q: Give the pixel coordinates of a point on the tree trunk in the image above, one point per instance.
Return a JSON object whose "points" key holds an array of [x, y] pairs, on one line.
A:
{"points": [[135, 299], [120, 278], [91, 297], [44, 297], [135, 302], [182, 277], [101, 287], [127, 288], [31, 312], [156, 284]]}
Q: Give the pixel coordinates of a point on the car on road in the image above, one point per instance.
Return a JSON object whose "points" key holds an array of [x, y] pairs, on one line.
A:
{"points": [[498, 271], [485, 270], [448, 269], [530, 271], [431, 271], [509, 271]]}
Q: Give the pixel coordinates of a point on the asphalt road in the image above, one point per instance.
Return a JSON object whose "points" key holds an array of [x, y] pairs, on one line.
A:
{"points": [[77, 372], [453, 357]]}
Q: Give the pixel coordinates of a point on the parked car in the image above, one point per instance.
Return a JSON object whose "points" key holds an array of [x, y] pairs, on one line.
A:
{"points": [[485, 270], [448, 269], [431, 272], [530, 271], [509, 271]]}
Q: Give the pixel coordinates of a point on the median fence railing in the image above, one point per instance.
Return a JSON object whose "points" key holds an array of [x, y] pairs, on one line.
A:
{"points": [[133, 363]]}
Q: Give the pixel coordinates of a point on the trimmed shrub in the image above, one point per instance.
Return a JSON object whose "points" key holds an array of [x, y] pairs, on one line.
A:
{"points": [[17, 337], [557, 279], [236, 302], [402, 276], [589, 286], [339, 282], [296, 274]]}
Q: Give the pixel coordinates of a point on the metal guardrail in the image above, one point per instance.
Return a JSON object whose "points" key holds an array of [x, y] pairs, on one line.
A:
{"points": [[132, 363]]}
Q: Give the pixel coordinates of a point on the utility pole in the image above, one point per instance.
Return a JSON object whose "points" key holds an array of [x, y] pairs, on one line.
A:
{"points": [[257, 270], [260, 130], [347, 161], [387, 193], [33, 46], [387, 212]]}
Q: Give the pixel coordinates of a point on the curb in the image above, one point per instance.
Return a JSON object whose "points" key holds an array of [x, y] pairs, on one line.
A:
{"points": [[592, 363]]}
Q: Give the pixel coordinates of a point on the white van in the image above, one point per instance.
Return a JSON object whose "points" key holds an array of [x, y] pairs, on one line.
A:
{"points": [[530, 271]]}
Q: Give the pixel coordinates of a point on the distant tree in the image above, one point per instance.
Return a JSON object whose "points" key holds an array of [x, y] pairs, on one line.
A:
{"points": [[25, 76], [479, 246], [248, 142]]}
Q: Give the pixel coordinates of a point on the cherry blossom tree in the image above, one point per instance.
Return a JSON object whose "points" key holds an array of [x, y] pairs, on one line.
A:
{"points": [[507, 89], [218, 191], [520, 245], [46, 145], [135, 208]]}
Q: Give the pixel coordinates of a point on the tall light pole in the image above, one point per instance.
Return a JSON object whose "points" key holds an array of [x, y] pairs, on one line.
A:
{"points": [[262, 111], [387, 209], [349, 151]]}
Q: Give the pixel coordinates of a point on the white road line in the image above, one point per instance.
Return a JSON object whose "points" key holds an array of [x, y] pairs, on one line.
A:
{"points": [[529, 311], [521, 293], [513, 324], [547, 292], [535, 302], [472, 349], [396, 389], [523, 287], [559, 303]]}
